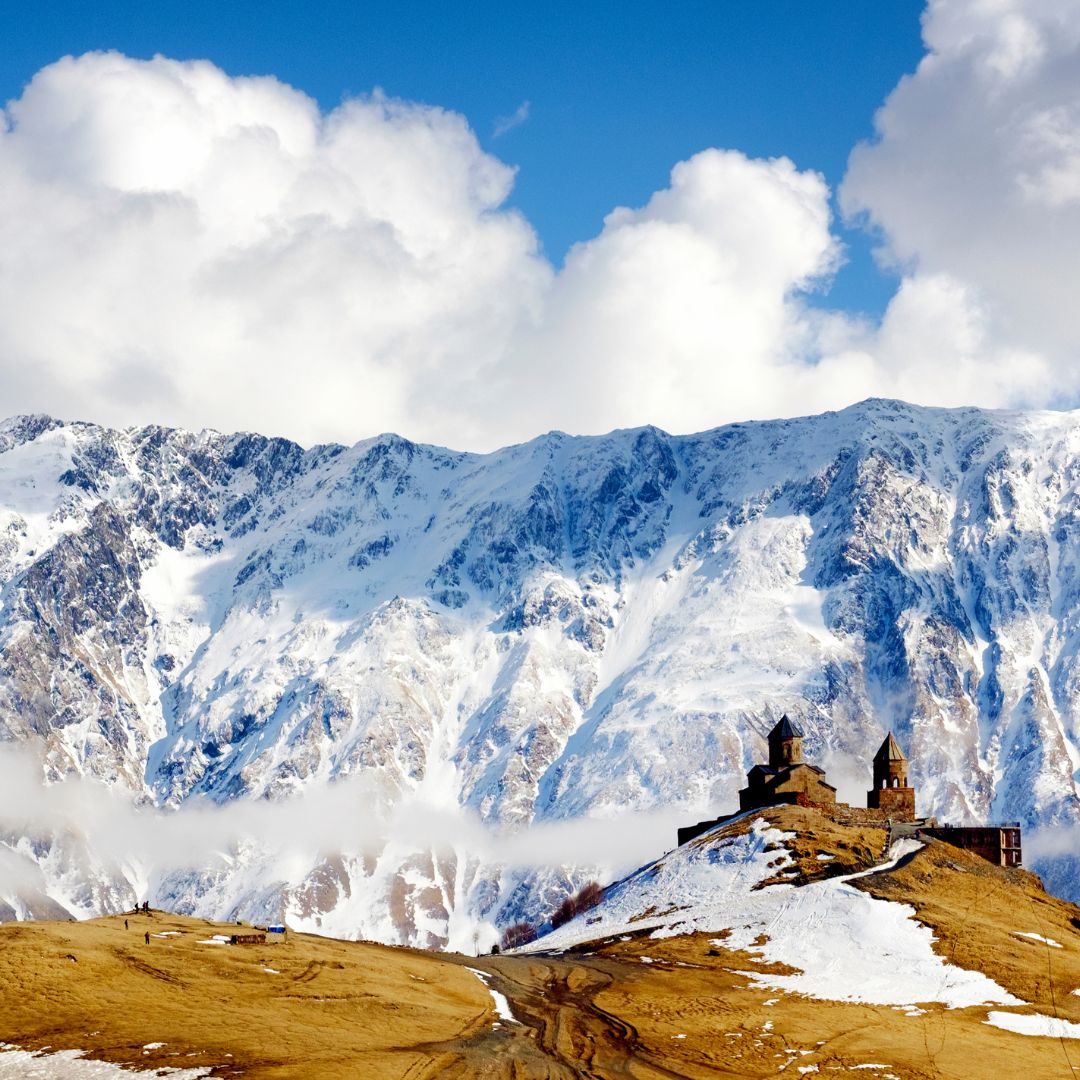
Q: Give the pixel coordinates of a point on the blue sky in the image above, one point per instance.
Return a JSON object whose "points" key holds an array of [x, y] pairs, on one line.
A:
{"points": [[658, 240], [617, 92]]}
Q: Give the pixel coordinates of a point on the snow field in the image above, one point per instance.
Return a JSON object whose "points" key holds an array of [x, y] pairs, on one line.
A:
{"points": [[72, 1065], [502, 1006], [1038, 937], [1034, 1024], [846, 945]]}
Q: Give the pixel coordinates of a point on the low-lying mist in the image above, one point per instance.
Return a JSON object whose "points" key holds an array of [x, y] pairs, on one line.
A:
{"points": [[352, 816]]}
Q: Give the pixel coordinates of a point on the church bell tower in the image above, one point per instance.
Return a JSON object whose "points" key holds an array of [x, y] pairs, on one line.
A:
{"points": [[890, 792]]}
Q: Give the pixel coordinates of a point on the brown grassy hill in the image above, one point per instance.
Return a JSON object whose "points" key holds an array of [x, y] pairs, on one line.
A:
{"points": [[991, 919], [341, 1008], [632, 1005], [694, 1011]]}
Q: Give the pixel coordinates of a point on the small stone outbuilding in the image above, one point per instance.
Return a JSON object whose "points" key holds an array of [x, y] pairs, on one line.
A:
{"points": [[999, 844]]}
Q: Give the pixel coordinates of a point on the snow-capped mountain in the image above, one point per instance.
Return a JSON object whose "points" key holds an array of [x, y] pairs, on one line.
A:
{"points": [[572, 626]]}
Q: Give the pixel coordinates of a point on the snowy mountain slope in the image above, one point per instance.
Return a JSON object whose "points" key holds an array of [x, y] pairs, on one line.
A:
{"points": [[844, 945], [573, 626]]}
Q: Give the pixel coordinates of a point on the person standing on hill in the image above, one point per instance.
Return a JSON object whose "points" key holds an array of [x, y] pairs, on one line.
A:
{"points": [[125, 924], [147, 937]]}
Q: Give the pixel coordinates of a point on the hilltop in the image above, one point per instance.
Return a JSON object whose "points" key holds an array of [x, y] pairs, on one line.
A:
{"points": [[778, 943]]}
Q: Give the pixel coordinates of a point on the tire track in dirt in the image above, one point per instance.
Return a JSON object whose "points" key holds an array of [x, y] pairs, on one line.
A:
{"points": [[561, 1034]]}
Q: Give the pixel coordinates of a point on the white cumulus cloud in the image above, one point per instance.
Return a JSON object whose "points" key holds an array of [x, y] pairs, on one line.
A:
{"points": [[181, 246], [683, 311], [975, 179]]}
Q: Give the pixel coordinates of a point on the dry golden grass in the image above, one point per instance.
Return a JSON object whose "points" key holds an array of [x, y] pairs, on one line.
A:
{"points": [[335, 1007], [847, 848], [979, 912], [695, 990], [345, 1009]]}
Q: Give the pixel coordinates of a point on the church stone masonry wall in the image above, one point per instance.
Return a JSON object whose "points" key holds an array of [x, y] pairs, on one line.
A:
{"points": [[895, 802]]}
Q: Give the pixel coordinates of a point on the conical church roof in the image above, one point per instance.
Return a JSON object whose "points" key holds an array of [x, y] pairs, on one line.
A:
{"points": [[785, 729], [890, 750]]}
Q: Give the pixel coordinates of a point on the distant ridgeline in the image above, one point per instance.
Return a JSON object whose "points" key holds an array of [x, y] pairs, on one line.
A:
{"points": [[788, 779]]}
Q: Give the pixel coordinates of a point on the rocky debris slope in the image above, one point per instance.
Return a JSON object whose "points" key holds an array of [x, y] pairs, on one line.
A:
{"points": [[573, 626]]}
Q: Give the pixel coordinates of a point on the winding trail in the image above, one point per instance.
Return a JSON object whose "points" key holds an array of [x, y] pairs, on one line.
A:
{"points": [[561, 1034]]}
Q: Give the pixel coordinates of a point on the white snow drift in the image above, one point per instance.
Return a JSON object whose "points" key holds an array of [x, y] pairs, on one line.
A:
{"points": [[847, 945]]}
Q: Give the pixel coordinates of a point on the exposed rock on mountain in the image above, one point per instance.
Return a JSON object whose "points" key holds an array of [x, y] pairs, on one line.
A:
{"points": [[573, 626]]}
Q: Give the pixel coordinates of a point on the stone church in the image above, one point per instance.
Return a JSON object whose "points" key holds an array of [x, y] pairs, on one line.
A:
{"points": [[890, 803], [786, 778]]}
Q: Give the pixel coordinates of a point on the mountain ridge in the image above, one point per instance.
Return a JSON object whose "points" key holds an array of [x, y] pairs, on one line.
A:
{"points": [[39, 422], [576, 625]]}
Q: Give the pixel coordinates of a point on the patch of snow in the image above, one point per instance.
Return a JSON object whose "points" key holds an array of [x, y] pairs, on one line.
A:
{"points": [[217, 939], [1034, 1024], [502, 1006], [846, 945], [153, 1046], [1038, 937], [16, 1064], [822, 857], [271, 971]]}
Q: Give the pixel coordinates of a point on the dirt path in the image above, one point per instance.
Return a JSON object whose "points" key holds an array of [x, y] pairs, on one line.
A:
{"points": [[679, 1009], [561, 1031]]}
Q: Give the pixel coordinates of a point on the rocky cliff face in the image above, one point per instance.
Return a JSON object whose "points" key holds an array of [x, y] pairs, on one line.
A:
{"points": [[574, 626]]}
